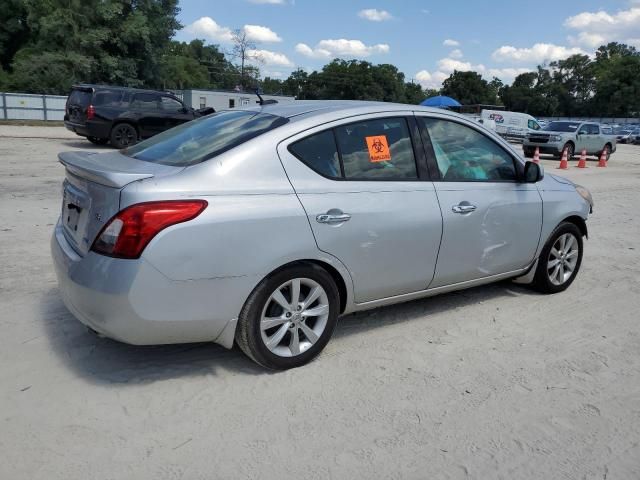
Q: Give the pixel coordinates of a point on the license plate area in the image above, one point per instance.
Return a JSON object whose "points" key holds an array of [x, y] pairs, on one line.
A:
{"points": [[75, 208], [71, 215]]}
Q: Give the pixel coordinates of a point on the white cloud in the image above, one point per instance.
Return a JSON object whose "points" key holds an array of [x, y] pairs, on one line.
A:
{"points": [[375, 15], [449, 65], [598, 28], [451, 43], [342, 48], [271, 58], [258, 33], [430, 80], [539, 53], [457, 53], [206, 27], [507, 75]]}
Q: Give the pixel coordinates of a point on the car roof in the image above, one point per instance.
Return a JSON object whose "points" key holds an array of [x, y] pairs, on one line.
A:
{"points": [[306, 109], [116, 87]]}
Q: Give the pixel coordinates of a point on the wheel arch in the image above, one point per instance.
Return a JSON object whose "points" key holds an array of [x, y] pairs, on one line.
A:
{"points": [[337, 277], [578, 222]]}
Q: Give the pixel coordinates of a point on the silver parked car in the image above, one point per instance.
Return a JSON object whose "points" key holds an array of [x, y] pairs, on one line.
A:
{"points": [[261, 226]]}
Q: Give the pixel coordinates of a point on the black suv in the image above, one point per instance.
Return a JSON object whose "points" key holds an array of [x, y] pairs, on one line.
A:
{"points": [[123, 116]]}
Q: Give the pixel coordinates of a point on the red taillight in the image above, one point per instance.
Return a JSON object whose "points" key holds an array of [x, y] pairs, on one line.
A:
{"points": [[91, 112], [128, 233]]}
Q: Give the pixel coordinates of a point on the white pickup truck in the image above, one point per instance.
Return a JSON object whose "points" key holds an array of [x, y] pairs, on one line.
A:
{"points": [[572, 136]]}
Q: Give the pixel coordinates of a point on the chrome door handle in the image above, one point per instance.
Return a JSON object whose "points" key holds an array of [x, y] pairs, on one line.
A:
{"points": [[463, 208], [333, 218]]}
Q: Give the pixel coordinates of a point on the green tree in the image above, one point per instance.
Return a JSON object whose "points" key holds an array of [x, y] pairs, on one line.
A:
{"points": [[14, 31], [469, 88], [106, 41]]}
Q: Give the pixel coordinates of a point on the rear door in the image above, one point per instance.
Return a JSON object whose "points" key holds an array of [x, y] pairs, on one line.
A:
{"points": [[368, 203], [491, 221]]}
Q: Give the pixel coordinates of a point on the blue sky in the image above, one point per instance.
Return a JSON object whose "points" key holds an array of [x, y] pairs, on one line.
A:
{"points": [[426, 40]]}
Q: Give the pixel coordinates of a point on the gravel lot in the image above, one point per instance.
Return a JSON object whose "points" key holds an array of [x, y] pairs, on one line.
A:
{"points": [[496, 382]]}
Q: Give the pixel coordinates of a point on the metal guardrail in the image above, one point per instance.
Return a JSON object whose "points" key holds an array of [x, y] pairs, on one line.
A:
{"points": [[27, 106]]}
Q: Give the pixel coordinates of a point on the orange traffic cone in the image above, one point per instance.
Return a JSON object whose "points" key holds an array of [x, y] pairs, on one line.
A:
{"points": [[583, 159], [564, 163], [536, 155], [603, 158]]}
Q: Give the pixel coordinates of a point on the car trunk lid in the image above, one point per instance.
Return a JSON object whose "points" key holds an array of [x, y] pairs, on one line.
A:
{"points": [[91, 191]]}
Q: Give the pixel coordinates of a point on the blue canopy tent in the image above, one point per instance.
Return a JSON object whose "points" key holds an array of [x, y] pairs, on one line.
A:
{"points": [[441, 102]]}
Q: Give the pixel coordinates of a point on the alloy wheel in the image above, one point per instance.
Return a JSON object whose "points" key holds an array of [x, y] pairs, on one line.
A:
{"points": [[563, 259], [125, 135], [294, 317]]}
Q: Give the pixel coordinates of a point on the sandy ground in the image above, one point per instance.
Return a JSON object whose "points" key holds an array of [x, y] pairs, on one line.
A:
{"points": [[496, 382]]}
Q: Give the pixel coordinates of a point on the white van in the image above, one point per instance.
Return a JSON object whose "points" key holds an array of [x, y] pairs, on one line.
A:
{"points": [[511, 125]]}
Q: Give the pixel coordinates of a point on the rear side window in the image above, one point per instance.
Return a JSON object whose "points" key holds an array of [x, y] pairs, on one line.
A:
{"points": [[204, 138], [377, 149], [107, 98], [465, 155], [319, 152]]}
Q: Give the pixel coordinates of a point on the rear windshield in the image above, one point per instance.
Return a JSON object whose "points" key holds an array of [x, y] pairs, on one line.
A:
{"points": [[79, 97], [562, 126], [204, 138]]}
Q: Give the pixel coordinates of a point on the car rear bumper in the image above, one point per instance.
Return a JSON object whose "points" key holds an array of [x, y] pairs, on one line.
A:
{"points": [[98, 129], [132, 302]]}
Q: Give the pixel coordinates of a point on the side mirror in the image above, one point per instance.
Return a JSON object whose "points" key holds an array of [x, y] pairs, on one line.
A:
{"points": [[533, 172]]}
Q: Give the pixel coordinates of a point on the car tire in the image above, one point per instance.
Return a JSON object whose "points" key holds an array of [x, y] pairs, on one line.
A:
{"points": [[570, 150], [123, 135], [98, 141], [560, 259], [278, 332]]}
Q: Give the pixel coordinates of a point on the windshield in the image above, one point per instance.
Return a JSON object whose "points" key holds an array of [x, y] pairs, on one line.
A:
{"points": [[204, 138], [562, 127]]}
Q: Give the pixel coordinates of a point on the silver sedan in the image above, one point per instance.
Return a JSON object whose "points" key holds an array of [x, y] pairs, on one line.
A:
{"points": [[261, 226]]}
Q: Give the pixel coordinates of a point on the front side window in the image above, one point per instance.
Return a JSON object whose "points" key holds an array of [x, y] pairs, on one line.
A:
{"points": [[171, 104], [593, 129], [377, 149], [204, 138], [319, 152], [465, 155]]}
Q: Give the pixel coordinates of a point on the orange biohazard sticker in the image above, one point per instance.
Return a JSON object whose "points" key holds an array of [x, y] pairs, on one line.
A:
{"points": [[378, 148]]}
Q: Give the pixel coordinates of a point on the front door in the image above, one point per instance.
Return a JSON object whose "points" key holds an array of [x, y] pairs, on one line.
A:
{"points": [[491, 221], [366, 204]]}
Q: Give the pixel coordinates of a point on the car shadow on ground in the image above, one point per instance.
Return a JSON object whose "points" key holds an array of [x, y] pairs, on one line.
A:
{"points": [[85, 145], [104, 361]]}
